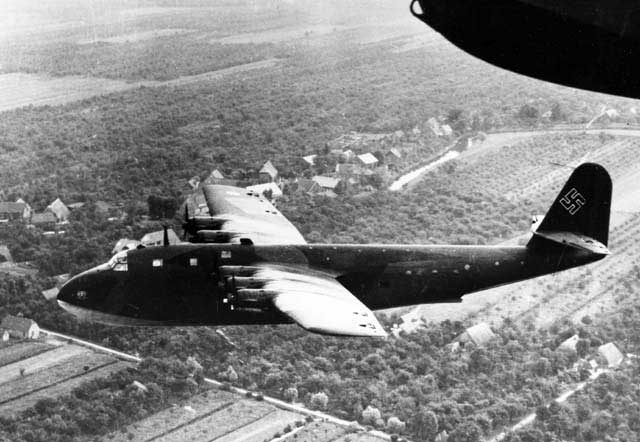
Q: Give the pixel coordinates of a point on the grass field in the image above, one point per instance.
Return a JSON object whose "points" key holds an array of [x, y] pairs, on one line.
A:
{"points": [[317, 432], [40, 361], [220, 423], [175, 418], [67, 369], [22, 403], [16, 351], [258, 430]]}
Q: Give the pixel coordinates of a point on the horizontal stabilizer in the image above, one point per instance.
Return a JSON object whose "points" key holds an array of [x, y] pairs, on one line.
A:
{"points": [[579, 241]]}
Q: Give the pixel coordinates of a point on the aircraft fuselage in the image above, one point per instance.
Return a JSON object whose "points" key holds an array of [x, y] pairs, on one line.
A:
{"points": [[212, 284]]}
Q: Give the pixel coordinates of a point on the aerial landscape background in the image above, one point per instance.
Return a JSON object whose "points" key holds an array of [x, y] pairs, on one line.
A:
{"points": [[115, 107]]}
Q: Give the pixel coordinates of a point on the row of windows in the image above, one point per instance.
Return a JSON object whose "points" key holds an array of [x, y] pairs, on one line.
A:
{"points": [[193, 262]]}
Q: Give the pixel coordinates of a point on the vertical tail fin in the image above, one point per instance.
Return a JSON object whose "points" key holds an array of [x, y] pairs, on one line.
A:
{"points": [[580, 214]]}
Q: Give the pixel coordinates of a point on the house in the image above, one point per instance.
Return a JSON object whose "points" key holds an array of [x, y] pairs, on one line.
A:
{"points": [[478, 335], [112, 211], [308, 186], [50, 293], [446, 130], [611, 354], [268, 173], [214, 177], [75, 206], [44, 220], [260, 189], [326, 182], [569, 344], [28, 212], [309, 159], [125, 244], [435, 127], [4, 335], [20, 327], [59, 210], [5, 254], [368, 160], [393, 156], [194, 182], [13, 212], [157, 238]]}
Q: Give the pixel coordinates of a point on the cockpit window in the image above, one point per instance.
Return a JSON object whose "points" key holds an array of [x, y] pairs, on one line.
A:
{"points": [[118, 262]]}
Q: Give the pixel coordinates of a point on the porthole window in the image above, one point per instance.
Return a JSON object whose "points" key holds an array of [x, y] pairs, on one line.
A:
{"points": [[193, 262]]}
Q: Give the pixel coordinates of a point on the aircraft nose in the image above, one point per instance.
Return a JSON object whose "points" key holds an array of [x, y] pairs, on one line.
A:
{"points": [[86, 291]]}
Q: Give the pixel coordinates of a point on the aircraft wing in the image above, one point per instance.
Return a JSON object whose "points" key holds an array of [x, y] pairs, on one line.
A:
{"points": [[245, 214], [318, 303]]}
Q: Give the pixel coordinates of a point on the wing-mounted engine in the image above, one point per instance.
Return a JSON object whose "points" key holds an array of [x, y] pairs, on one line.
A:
{"points": [[204, 228], [234, 214], [245, 291]]}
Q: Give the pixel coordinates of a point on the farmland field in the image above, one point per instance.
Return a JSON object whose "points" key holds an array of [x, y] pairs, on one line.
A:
{"points": [[175, 418], [67, 368], [21, 350], [40, 361], [56, 390], [269, 425], [220, 423], [317, 432]]}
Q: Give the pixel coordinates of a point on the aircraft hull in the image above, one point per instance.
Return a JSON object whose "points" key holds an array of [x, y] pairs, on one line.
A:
{"points": [[198, 284]]}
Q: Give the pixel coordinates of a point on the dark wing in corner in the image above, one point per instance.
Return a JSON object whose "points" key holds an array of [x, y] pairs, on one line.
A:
{"points": [[589, 44], [245, 214]]}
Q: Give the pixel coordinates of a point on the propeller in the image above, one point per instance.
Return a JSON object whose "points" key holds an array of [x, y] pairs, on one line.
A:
{"points": [[165, 239], [185, 224]]}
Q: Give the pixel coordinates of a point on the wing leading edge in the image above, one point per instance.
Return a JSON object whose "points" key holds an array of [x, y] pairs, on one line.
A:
{"points": [[318, 303], [245, 214]]}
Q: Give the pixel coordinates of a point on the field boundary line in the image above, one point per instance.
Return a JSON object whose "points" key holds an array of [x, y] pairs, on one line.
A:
{"points": [[53, 384], [245, 425], [189, 422]]}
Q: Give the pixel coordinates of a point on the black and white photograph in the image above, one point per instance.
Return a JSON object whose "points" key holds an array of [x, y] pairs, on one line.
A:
{"points": [[319, 221]]}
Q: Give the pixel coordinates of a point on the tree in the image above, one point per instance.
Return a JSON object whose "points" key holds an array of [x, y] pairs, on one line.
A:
{"points": [[425, 424], [465, 432], [370, 415], [395, 425], [230, 374], [291, 394], [528, 112], [319, 401], [557, 112]]}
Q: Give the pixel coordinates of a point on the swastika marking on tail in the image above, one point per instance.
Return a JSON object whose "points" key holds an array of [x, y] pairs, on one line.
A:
{"points": [[573, 201]]}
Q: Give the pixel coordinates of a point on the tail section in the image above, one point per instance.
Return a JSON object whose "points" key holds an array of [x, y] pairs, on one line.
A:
{"points": [[580, 214]]}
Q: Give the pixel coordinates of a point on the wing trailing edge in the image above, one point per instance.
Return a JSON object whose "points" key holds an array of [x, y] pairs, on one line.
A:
{"points": [[318, 303]]}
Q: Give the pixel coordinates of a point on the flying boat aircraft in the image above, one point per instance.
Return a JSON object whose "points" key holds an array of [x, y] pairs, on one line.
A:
{"points": [[245, 263]]}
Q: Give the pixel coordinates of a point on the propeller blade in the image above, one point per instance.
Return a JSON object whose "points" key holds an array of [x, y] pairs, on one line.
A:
{"points": [[166, 236]]}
